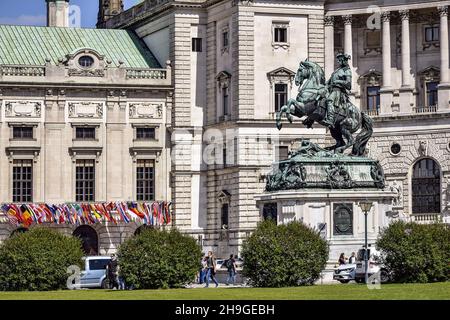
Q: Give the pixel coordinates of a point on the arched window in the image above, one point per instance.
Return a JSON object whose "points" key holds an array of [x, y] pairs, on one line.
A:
{"points": [[89, 239], [426, 187]]}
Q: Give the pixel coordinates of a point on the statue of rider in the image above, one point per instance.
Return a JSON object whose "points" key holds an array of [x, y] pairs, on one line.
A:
{"points": [[339, 87]]}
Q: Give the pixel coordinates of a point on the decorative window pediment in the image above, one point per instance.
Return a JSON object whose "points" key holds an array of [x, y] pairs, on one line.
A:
{"points": [[223, 79], [371, 78], [281, 75], [430, 73], [224, 196]]}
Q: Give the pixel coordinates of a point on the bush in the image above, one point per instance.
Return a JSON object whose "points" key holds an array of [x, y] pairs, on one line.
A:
{"points": [[284, 255], [416, 252], [159, 259], [37, 260]]}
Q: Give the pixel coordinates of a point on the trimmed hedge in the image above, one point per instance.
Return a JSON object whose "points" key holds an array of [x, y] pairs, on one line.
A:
{"points": [[159, 259], [416, 252], [37, 260], [284, 255]]}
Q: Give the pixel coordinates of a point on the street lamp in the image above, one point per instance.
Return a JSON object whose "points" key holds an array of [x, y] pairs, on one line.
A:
{"points": [[365, 207]]}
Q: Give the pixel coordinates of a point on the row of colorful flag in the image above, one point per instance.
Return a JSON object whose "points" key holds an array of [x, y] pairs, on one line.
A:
{"points": [[155, 213]]}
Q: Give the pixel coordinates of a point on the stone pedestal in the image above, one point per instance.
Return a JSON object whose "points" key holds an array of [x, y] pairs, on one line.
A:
{"points": [[334, 213]]}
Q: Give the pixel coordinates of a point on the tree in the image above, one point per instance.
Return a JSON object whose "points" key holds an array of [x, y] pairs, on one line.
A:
{"points": [[159, 259], [416, 252], [284, 255], [37, 260]]}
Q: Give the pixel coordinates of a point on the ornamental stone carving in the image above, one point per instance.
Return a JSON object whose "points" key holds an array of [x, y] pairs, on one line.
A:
{"points": [[85, 109], [397, 187], [328, 21], [23, 109], [145, 110], [86, 73]]}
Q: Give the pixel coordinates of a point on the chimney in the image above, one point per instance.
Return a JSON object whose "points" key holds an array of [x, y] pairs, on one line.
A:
{"points": [[107, 10], [57, 13]]}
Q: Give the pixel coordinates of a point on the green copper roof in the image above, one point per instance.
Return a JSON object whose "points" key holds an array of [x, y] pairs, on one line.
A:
{"points": [[26, 45]]}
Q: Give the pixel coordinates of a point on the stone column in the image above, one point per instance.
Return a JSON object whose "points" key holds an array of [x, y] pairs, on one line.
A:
{"points": [[444, 86], [386, 92], [406, 63], [329, 46], [348, 49], [406, 91]]}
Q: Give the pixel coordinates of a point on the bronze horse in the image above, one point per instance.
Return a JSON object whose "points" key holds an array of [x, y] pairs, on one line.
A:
{"points": [[311, 101]]}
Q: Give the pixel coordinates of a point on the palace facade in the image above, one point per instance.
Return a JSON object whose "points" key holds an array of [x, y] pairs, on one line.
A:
{"points": [[211, 108]]}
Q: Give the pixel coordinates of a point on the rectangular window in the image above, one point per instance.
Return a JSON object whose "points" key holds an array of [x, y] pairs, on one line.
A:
{"points": [[225, 40], [373, 98], [145, 180], [280, 95], [432, 93], [22, 132], [432, 34], [197, 44], [280, 35], [338, 40], [85, 180], [224, 156], [224, 216], [373, 39], [225, 101], [281, 153], [145, 133], [22, 180], [85, 133]]}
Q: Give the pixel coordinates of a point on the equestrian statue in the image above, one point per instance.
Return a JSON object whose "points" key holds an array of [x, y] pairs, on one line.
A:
{"points": [[328, 104]]}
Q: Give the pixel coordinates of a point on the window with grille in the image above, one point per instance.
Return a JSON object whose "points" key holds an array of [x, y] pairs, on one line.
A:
{"points": [[85, 180], [280, 35], [280, 95], [22, 180], [373, 98], [432, 93], [22, 132], [145, 180], [432, 33], [197, 44], [426, 187], [145, 133], [225, 101], [224, 216], [85, 133], [225, 39]]}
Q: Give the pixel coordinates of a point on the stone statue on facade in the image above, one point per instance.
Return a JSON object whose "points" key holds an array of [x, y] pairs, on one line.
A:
{"points": [[327, 103]]}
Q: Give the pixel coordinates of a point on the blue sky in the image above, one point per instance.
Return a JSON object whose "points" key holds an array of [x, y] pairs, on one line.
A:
{"points": [[34, 13]]}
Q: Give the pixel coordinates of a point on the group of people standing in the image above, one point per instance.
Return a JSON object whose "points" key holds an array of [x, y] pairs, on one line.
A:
{"points": [[344, 260], [208, 269]]}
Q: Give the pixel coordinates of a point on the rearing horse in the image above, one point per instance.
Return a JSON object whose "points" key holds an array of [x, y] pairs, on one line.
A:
{"points": [[311, 102]]}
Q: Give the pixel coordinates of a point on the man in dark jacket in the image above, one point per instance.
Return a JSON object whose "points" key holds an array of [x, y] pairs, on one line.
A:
{"points": [[112, 272]]}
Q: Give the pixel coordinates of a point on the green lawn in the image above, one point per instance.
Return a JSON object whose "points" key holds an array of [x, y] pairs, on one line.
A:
{"points": [[327, 292]]}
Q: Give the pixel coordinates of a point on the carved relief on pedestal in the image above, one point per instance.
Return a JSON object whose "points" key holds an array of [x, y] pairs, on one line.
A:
{"points": [[145, 110], [23, 109], [85, 109]]}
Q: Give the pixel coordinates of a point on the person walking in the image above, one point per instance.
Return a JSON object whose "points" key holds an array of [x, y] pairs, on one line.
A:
{"points": [[231, 268], [211, 269], [112, 272]]}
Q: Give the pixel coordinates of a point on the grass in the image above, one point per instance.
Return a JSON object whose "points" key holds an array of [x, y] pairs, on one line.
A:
{"points": [[430, 291]]}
